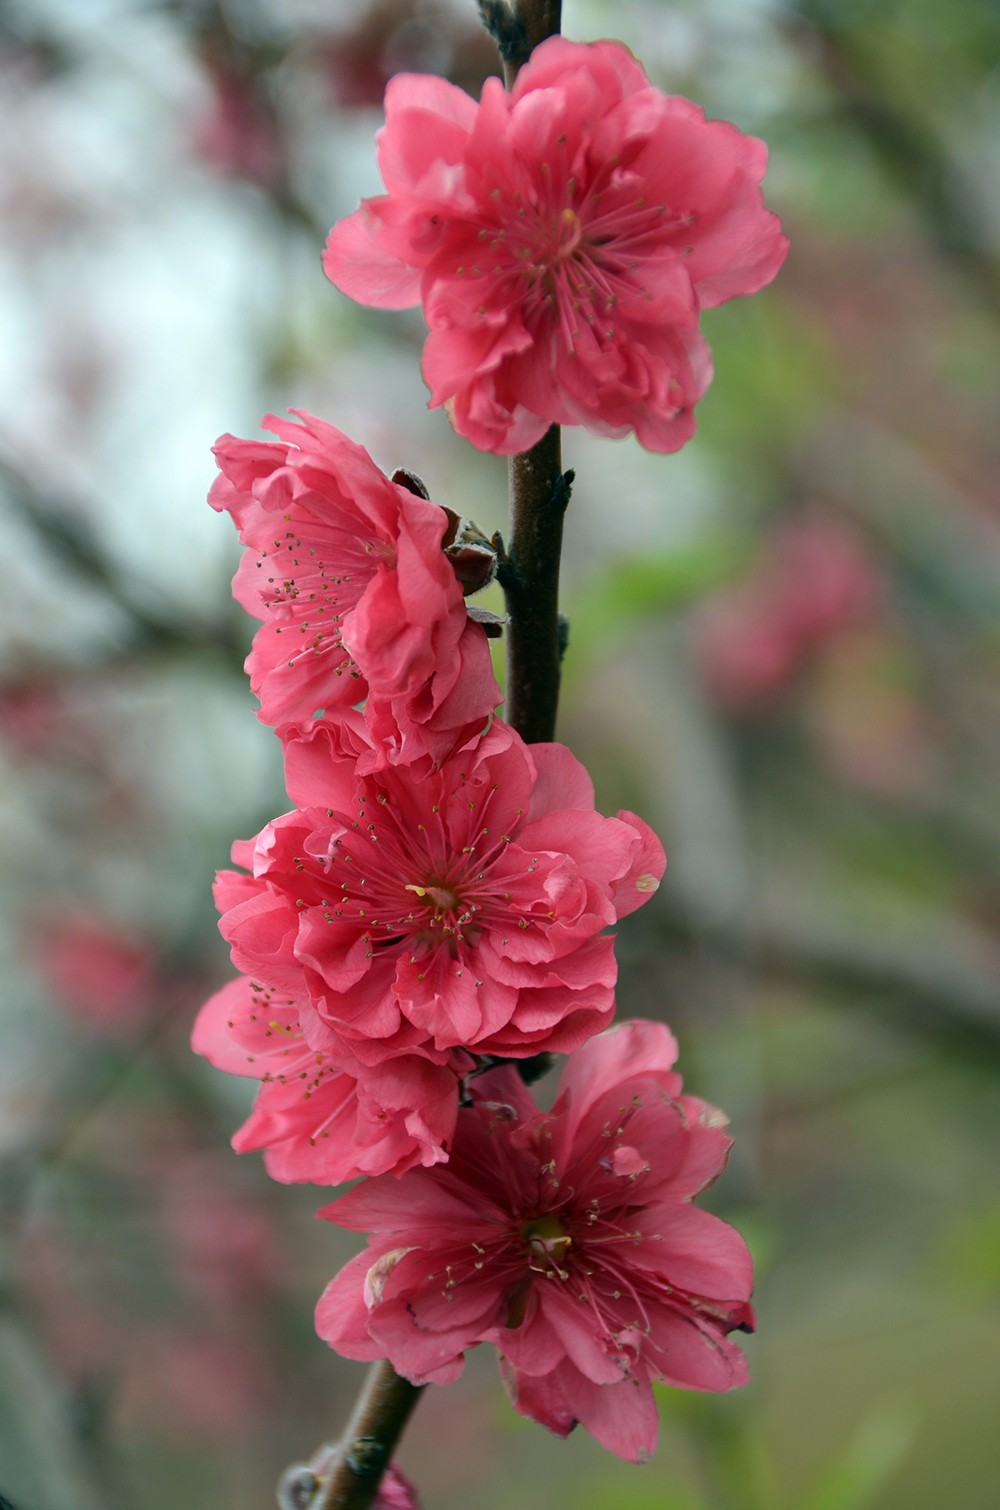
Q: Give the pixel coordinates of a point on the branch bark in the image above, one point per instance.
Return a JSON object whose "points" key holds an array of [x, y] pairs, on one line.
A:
{"points": [[380, 1413], [539, 493], [540, 19]]}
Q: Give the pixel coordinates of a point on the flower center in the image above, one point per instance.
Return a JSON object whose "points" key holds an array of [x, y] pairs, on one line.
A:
{"points": [[444, 899], [547, 1241], [569, 233], [311, 579]]}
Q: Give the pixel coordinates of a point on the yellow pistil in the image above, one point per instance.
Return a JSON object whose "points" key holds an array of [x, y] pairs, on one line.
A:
{"points": [[443, 898], [546, 1238]]}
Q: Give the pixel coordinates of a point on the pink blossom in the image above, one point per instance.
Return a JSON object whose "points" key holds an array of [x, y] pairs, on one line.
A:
{"points": [[346, 570], [34, 719], [238, 131], [823, 578], [562, 239], [745, 655], [813, 580], [186, 1384], [567, 1239], [102, 974], [316, 1118], [220, 1241], [423, 909]]}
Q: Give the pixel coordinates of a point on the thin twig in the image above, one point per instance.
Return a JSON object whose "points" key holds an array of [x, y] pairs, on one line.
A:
{"points": [[537, 19], [905, 143], [529, 576], [380, 1412], [539, 493], [69, 539], [507, 31]]}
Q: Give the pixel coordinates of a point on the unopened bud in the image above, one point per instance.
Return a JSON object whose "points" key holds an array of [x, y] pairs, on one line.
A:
{"points": [[472, 556], [301, 1482], [296, 1487]]}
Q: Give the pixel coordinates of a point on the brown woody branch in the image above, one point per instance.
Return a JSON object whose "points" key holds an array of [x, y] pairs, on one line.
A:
{"points": [[539, 492], [529, 576]]}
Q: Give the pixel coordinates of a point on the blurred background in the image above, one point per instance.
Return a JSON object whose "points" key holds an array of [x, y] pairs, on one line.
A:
{"points": [[784, 654]]}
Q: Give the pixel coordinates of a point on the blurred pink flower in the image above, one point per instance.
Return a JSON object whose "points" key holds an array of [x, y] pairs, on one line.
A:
{"points": [[194, 1386], [33, 717], [813, 580], [101, 974], [824, 578], [316, 1118], [566, 1238], [745, 654], [346, 570], [423, 909], [239, 132], [562, 239], [220, 1241]]}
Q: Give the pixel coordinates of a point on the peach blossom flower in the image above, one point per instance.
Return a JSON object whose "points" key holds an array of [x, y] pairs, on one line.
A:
{"points": [[348, 574], [565, 1238], [423, 910], [562, 239]]}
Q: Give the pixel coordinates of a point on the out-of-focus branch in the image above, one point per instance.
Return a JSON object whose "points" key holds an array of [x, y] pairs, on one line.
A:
{"points": [[540, 19], [940, 989], [380, 1413], [517, 29], [905, 147], [75, 547], [34, 1402]]}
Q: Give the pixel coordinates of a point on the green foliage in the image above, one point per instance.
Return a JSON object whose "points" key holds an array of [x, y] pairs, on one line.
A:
{"points": [[856, 1479], [968, 1257], [775, 377], [634, 590]]}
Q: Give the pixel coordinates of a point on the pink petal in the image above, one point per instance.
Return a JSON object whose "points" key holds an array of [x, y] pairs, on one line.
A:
{"points": [[342, 1316], [319, 759], [574, 1323], [426, 119], [542, 1399], [356, 261], [622, 1417], [562, 782], [420, 1205], [645, 870], [695, 1251], [630, 1050]]}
